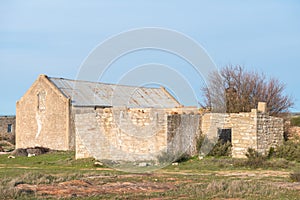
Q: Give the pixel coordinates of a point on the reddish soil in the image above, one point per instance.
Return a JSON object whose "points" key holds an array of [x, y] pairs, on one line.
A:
{"points": [[80, 188]]}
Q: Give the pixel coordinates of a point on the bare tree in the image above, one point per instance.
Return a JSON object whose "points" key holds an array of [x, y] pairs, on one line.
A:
{"points": [[239, 90]]}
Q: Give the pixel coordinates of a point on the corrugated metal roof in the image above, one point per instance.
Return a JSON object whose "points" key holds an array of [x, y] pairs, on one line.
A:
{"points": [[84, 93]]}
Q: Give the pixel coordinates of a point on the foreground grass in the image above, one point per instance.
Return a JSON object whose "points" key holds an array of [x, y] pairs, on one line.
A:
{"points": [[209, 178]]}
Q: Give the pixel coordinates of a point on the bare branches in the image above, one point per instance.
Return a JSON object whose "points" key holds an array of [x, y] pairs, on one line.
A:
{"points": [[241, 90]]}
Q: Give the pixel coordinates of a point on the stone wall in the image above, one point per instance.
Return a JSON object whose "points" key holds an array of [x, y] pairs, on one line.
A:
{"points": [[7, 128], [244, 132], [43, 117], [294, 133], [183, 131], [134, 134], [121, 133], [269, 132], [249, 130]]}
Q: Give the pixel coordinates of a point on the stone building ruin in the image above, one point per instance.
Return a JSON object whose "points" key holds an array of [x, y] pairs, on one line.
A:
{"points": [[134, 123], [7, 128], [255, 129]]}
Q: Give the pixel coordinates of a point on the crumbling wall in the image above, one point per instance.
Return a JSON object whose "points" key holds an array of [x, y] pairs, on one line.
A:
{"points": [[134, 134], [6, 121], [244, 132], [269, 132], [249, 130]]}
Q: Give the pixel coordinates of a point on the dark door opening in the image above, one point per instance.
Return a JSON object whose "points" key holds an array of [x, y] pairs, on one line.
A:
{"points": [[224, 135]]}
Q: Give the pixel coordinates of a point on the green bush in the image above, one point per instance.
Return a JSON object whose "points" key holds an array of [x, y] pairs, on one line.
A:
{"points": [[200, 140], [255, 159], [167, 157], [219, 149], [258, 160], [295, 121], [290, 150]]}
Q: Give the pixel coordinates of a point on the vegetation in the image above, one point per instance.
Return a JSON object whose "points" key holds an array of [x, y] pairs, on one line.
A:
{"points": [[6, 146], [234, 89], [290, 150], [295, 121], [220, 149], [255, 159], [295, 176], [210, 178]]}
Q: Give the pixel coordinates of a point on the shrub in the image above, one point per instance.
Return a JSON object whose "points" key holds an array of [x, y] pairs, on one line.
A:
{"points": [[7, 146], [200, 140], [255, 159], [290, 150], [295, 121], [167, 157], [221, 149], [271, 152], [295, 176]]}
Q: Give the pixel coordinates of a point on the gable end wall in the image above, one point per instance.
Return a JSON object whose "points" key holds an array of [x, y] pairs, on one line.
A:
{"points": [[49, 127]]}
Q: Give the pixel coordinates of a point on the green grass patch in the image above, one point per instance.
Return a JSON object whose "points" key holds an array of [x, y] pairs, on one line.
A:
{"points": [[48, 161], [209, 178], [295, 121]]}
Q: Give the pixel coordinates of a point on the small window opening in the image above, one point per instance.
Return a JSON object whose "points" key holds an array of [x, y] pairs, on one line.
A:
{"points": [[224, 135], [9, 128], [41, 101]]}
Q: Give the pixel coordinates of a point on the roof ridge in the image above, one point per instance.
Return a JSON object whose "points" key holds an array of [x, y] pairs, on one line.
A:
{"points": [[104, 83]]}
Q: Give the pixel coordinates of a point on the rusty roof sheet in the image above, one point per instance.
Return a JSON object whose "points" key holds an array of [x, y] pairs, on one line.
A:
{"points": [[84, 93]]}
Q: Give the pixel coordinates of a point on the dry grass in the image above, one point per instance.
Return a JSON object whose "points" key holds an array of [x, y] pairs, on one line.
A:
{"points": [[209, 178], [295, 176], [7, 146]]}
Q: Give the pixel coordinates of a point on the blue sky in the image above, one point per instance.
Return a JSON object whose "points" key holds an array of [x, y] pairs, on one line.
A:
{"points": [[54, 37]]}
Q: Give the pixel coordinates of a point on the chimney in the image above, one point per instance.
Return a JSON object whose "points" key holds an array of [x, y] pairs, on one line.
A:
{"points": [[262, 107]]}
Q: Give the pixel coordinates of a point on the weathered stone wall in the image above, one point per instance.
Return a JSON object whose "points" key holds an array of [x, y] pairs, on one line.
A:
{"points": [[211, 122], [43, 117], [134, 134], [249, 130], [121, 134], [183, 131], [244, 132], [5, 122], [269, 132], [294, 133], [242, 125]]}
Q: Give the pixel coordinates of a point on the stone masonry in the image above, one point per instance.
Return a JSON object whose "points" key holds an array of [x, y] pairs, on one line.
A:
{"points": [[255, 130], [43, 118], [133, 134], [7, 128]]}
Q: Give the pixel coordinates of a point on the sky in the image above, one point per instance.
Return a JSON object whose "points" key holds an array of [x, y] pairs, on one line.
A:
{"points": [[55, 37]]}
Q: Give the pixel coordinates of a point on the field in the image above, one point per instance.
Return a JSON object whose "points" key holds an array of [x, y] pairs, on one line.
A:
{"points": [[58, 175]]}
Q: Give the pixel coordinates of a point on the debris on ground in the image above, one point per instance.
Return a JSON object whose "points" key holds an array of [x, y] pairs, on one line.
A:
{"points": [[30, 152]]}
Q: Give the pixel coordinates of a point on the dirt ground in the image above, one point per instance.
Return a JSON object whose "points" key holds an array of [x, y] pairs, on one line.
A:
{"points": [[81, 188], [131, 183]]}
